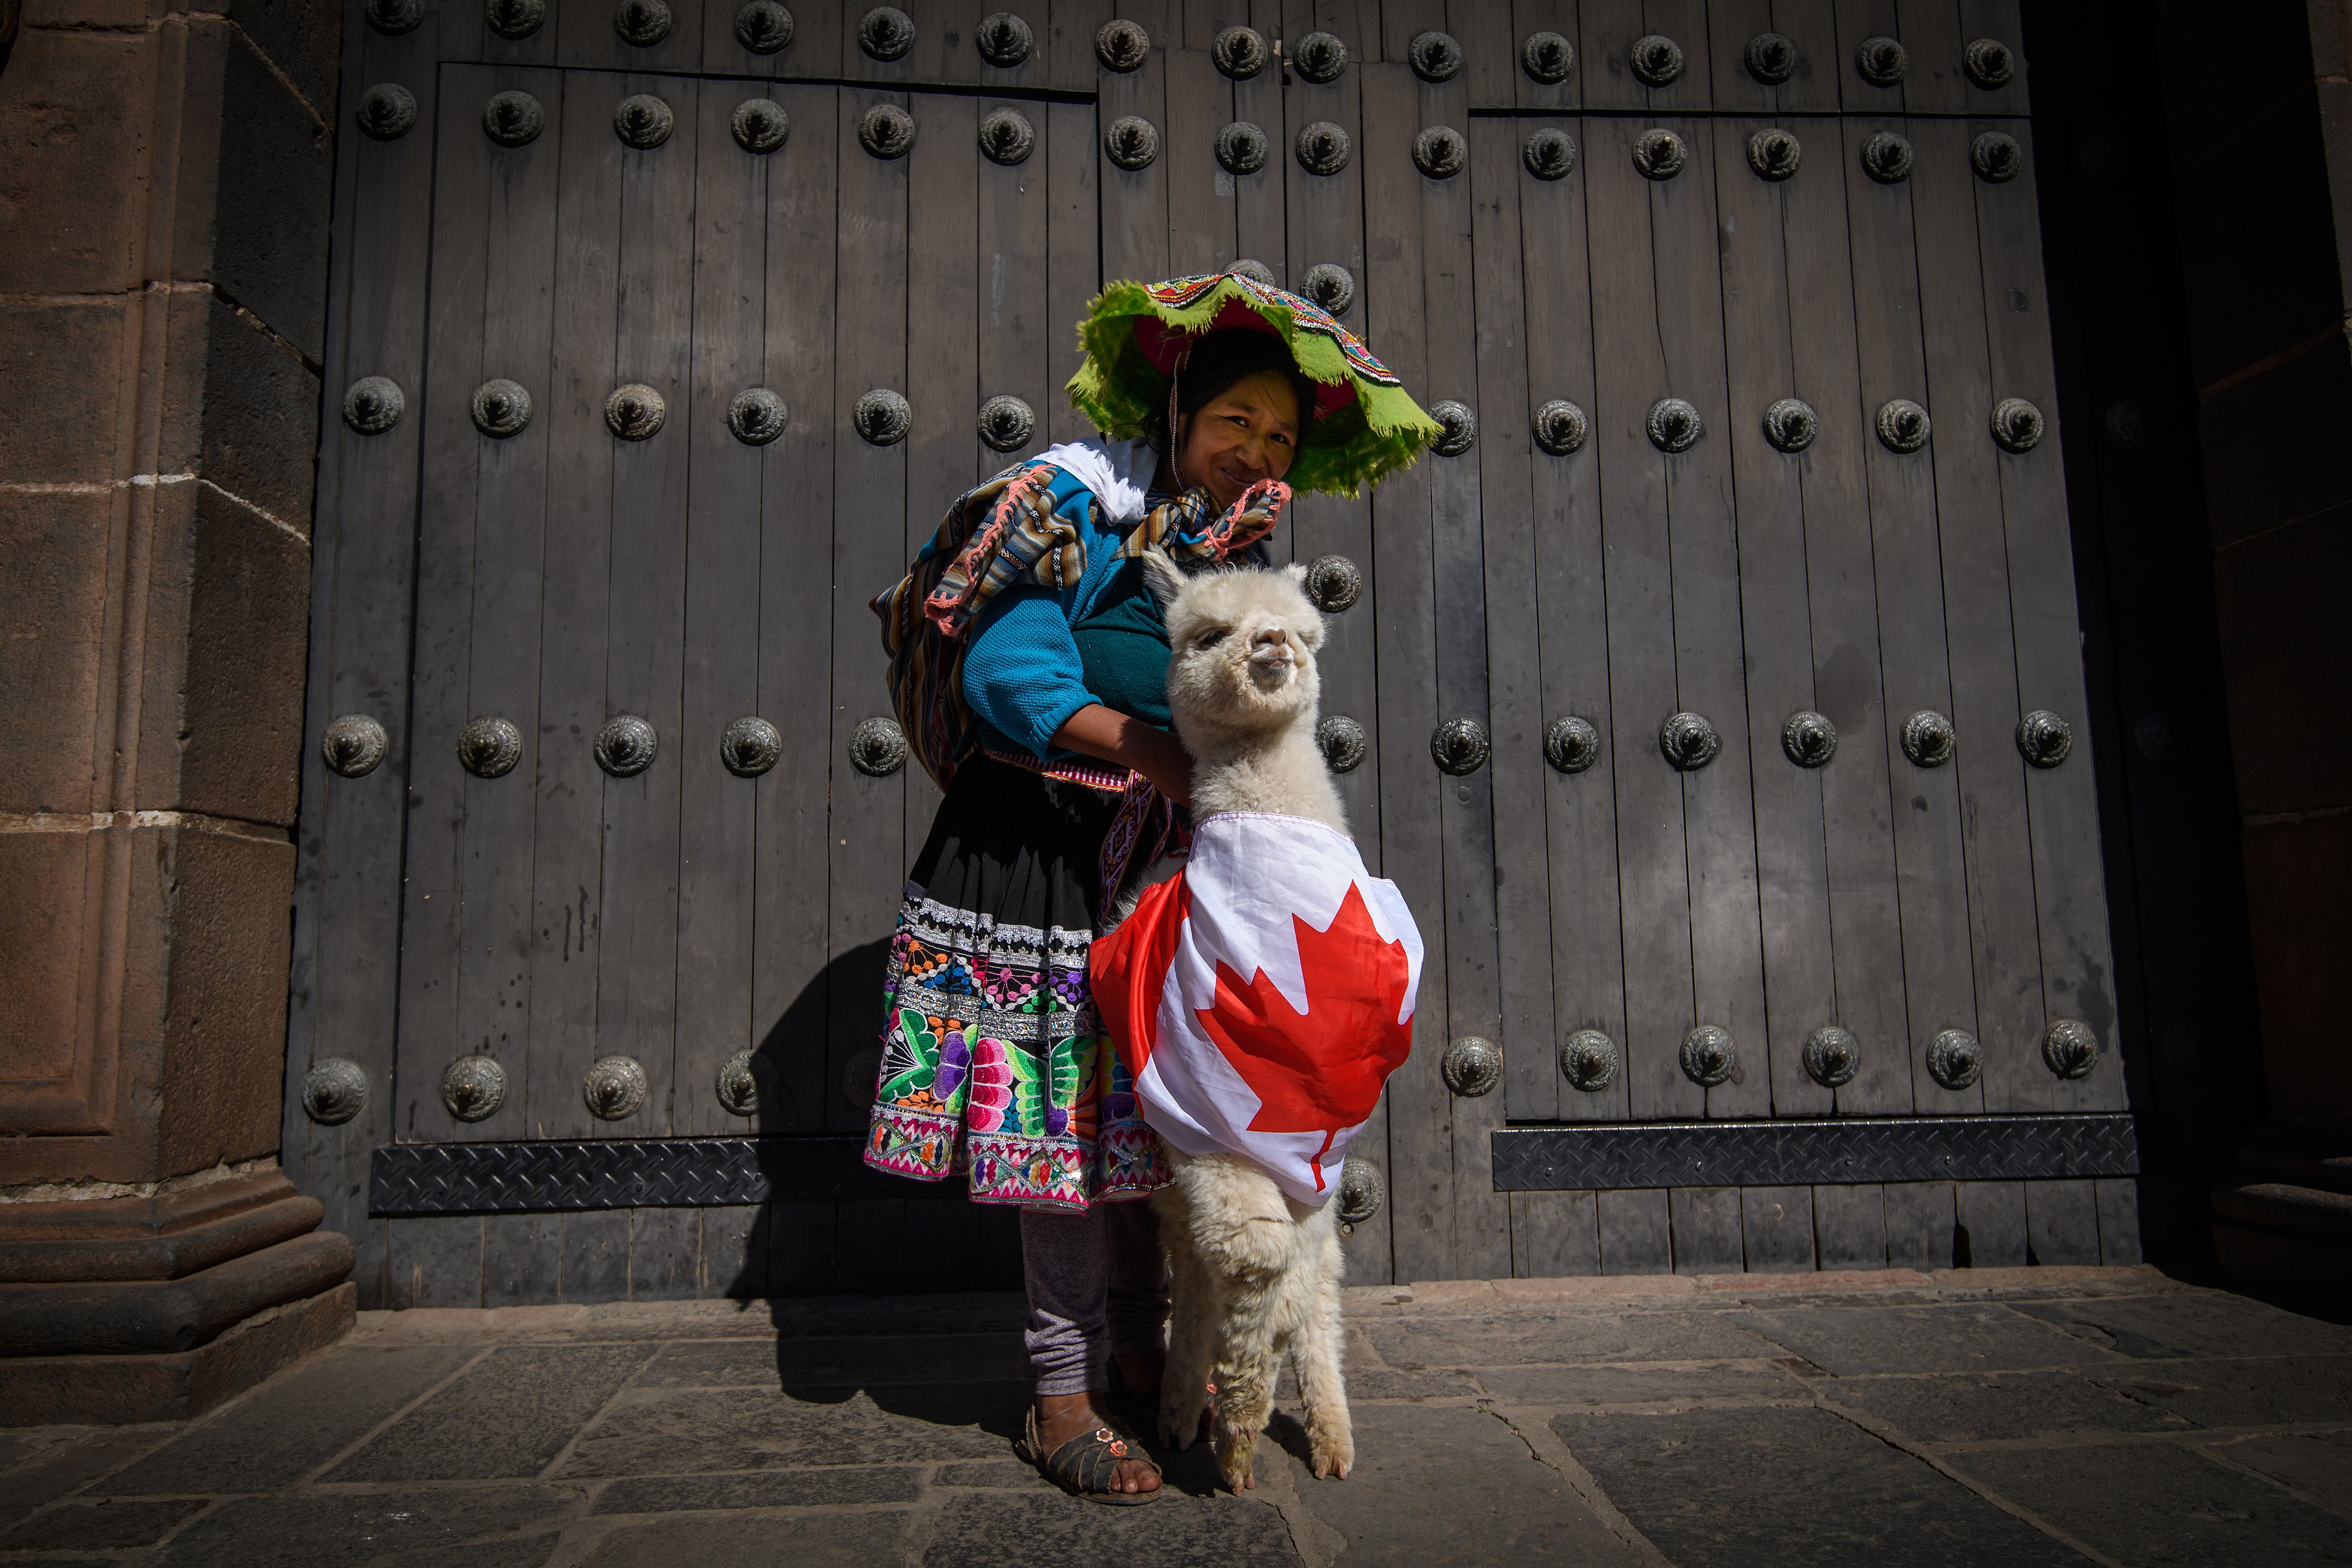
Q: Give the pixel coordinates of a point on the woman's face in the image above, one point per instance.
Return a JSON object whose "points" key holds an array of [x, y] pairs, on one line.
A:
{"points": [[1247, 432]]}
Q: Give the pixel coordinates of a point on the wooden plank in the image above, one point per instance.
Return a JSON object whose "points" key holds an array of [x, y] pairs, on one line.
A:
{"points": [[433, 1262], [1135, 201], [1707, 1230], [665, 1254], [2118, 1201], [867, 841], [1655, 877], [1608, 29], [431, 873], [1420, 1174], [2061, 1222], [1850, 1227], [636, 970], [718, 827], [585, 35], [1554, 1235], [567, 866], [1731, 87], [1402, 21], [1978, 634], [1685, 22], [1777, 1228], [1067, 43], [947, 45], [1812, 88], [1938, 984], [1201, 237], [1635, 1234], [1482, 1245], [1775, 625], [520, 1261], [791, 991], [1490, 53], [1259, 198], [1931, 32], [1999, 20], [1920, 1225], [1074, 271], [1857, 20], [733, 1263], [592, 1256], [1992, 1213], [1015, 308], [1532, 16], [2061, 802]]}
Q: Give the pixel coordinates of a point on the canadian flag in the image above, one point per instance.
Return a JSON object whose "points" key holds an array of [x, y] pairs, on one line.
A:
{"points": [[1262, 996]]}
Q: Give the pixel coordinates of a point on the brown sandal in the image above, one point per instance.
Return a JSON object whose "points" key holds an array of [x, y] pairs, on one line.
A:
{"points": [[1086, 1465]]}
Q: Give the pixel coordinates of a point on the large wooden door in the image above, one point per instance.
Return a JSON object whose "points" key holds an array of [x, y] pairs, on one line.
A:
{"points": [[1698, 699]]}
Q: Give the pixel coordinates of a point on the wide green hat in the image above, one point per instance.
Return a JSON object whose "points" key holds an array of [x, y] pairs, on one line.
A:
{"points": [[1366, 425]]}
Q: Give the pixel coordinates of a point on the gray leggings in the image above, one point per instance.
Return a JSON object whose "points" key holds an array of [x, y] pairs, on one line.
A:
{"points": [[1097, 1288]]}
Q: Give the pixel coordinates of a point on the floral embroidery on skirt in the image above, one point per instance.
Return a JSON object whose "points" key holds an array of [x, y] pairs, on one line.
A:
{"points": [[995, 1063]]}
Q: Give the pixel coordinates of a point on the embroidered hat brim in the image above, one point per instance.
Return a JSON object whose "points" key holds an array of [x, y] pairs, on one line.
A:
{"points": [[1366, 425]]}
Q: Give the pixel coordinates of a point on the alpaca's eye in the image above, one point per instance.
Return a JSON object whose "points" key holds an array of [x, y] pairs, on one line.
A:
{"points": [[1210, 639]]}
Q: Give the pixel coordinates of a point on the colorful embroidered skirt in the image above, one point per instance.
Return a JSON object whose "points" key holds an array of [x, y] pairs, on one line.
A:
{"points": [[994, 1063]]}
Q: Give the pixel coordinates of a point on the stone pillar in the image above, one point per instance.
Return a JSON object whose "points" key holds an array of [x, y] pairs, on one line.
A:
{"points": [[164, 201], [2261, 122]]}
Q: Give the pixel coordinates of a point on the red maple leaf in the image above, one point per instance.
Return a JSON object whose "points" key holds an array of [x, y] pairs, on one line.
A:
{"points": [[1320, 1070]]}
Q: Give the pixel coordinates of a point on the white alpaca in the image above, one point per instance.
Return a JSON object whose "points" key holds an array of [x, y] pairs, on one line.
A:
{"points": [[1253, 1273]]}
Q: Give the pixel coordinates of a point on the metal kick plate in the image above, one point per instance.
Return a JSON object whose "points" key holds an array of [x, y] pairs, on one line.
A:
{"points": [[1807, 1153], [628, 1173]]}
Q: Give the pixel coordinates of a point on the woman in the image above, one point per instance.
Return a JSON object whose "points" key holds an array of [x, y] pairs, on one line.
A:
{"points": [[1030, 669]]}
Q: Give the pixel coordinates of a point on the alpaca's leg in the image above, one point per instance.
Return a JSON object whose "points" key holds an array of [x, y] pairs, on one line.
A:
{"points": [[1330, 1434], [1246, 1364], [1192, 1325]]}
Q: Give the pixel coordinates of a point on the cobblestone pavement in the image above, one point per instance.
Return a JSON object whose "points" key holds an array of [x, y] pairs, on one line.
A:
{"points": [[2017, 1418]]}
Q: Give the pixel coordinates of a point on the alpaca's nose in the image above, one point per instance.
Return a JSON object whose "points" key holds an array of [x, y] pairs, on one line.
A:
{"points": [[1273, 634]]}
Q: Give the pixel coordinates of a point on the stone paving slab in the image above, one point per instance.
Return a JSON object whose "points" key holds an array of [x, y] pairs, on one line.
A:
{"points": [[2014, 1416]]}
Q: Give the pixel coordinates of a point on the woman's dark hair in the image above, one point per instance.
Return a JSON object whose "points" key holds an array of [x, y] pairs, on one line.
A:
{"points": [[1221, 360]]}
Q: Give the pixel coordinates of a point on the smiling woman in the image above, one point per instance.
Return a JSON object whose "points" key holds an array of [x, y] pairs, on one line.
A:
{"points": [[1029, 661]]}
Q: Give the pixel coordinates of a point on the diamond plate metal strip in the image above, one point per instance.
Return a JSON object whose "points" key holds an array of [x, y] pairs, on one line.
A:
{"points": [[648, 1173], [1803, 1154]]}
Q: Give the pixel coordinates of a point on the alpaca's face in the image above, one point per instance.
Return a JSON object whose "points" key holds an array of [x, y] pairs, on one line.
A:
{"points": [[1242, 646]]}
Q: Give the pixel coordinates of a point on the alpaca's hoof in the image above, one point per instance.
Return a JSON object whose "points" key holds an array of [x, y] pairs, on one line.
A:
{"points": [[1236, 1456], [1330, 1454]]}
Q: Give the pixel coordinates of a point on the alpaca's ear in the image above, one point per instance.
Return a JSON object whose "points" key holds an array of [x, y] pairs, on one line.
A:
{"points": [[1162, 578], [1297, 573]]}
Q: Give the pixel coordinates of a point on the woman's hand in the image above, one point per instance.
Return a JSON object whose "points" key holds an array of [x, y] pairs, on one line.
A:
{"points": [[1110, 735]]}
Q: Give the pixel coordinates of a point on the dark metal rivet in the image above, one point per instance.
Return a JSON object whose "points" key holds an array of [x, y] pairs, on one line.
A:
{"points": [[1459, 745], [1791, 424], [1547, 57], [1257, 271], [1882, 61], [2155, 735], [2129, 424], [1458, 428], [1323, 148], [354, 746], [1674, 425], [1928, 739], [763, 28], [1131, 142], [1809, 738], [386, 111], [626, 746], [373, 405], [1656, 59], [1007, 137], [757, 416], [1770, 58], [1319, 58], [644, 23], [1886, 158], [333, 1092], [1341, 740], [613, 1087], [1333, 582], [1550, 154], [1440, 152], [473, 1088], [1997, 158], [2070, 1048], [1902, 425], [745, 1082], [1572, 745], [1472, 1067], [861, 1077], [394, 18], [1361, 1190], [1331, 286], [1659, 154], [1832, 1057], [1004, 40], [1688, 741], [1774, 155], [878, 747], [882, 417], [1122, 46], [1589, 1060], [2043, 738], [1708, 1055], [642, 120], [760, 125], [750, 746], [513, 118], [514, 18], [635, 411], [2016, 425], [1240, 52], [1241, 148], [489, 748], [1006, 422], [1435, 56], [1989, 62], [886, 33], [1953, 1059], [887, 130]]}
